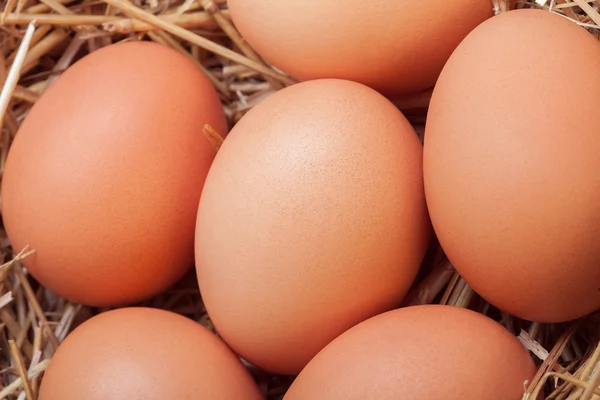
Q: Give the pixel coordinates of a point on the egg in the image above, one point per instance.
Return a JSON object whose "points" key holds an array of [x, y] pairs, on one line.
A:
{"points": [[396, 47], [312, 219], [145, 353], [426, 352], [105, 174], [511, 161]]}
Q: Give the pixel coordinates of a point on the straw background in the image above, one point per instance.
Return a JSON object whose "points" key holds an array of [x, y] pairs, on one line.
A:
{"points": [[33, 321]]}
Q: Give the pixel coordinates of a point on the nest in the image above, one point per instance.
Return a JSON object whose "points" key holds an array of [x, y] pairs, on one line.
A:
{"points": [[41, 38]]}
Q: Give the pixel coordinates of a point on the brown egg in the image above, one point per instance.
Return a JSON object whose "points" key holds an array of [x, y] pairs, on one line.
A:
{"points": [[396, 47], [104, 177], [511, 161], [144, 353], [312, 220], [426, 352]]}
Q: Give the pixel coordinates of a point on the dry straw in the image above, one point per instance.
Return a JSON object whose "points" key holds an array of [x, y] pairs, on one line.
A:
{"points": [[41, 38]]}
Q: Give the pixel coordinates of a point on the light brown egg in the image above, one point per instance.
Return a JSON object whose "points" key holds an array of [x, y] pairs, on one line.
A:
{"points": [[312, 220], [426, 352], [144, 353], [104, 177], [511, 161], [396, 47]]}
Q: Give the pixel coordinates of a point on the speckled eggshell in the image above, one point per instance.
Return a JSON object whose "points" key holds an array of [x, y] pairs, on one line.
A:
{"points": [[426, 352], [396, 47], [105, 174], [511, 164], [312, 220], [144, 353]]}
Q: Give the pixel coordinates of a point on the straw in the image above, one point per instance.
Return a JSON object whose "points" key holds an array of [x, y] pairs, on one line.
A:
{"points": [[229, 29], [22, 371], [198, 40], [213, 136], [198, 20], [15, 71]]}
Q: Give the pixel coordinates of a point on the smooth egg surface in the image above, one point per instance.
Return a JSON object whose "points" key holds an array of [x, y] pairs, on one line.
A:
{"points": [[312, 219], [104, 176], [511, 161], [426, 352], [396, 47], [145, 353]]}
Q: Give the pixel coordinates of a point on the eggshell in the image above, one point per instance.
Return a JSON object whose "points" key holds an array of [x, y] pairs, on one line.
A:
{"points": [[511, 161], [427, 352], [104, 176], [144, 353], [312, 219], [396, 46]]}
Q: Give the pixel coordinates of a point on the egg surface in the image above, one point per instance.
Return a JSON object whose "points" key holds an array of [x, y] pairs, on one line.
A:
{"points": [[105, 174], [426, 352], [511, 163], [396, 47], [144, 353], [312, 219]]}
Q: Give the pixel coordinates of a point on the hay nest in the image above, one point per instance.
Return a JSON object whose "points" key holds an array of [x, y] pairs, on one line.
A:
{"points": [[41, 38]]}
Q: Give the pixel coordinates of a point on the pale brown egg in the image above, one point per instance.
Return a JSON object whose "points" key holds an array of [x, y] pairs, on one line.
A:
{"points": [[396, 47], [511, 164], [104, 176], [144, 353], [312, 220], [426, 352]]}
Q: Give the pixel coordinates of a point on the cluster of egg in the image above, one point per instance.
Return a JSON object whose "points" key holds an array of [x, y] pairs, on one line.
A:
{"points": [[309, 225]]}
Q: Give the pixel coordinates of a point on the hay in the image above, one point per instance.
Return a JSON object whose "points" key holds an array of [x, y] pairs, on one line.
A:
{"points": [[41, 39]]}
